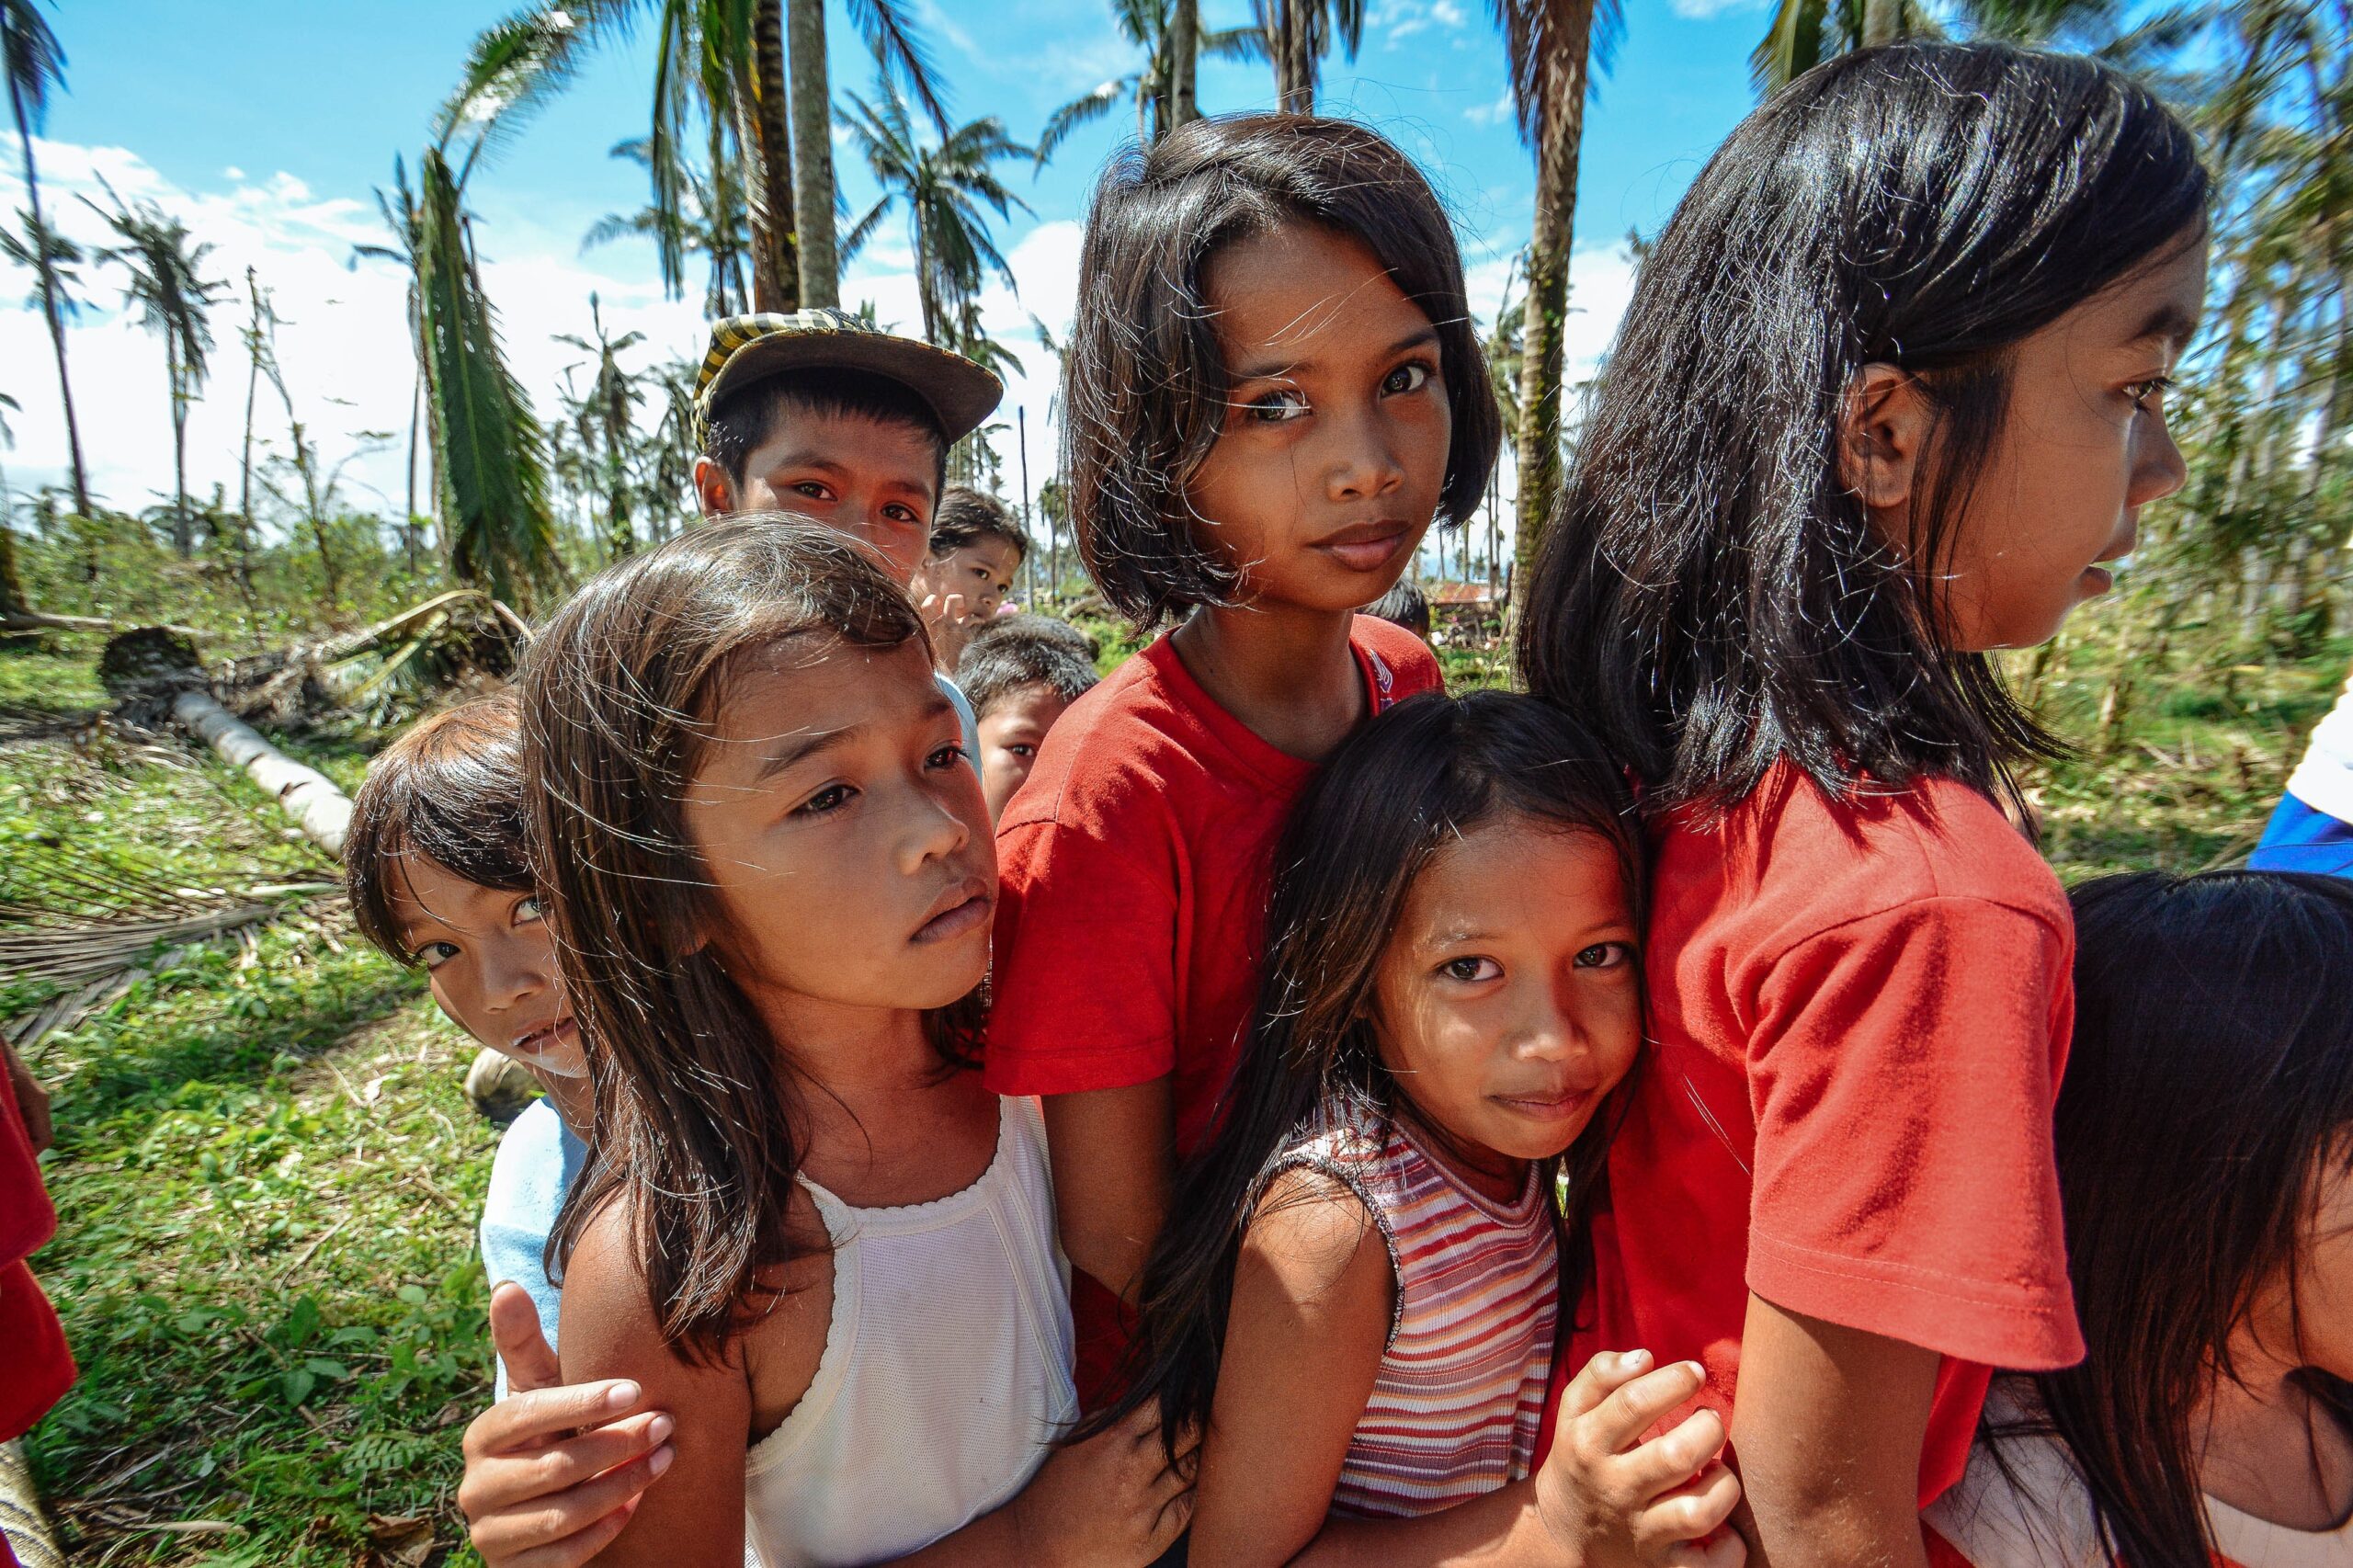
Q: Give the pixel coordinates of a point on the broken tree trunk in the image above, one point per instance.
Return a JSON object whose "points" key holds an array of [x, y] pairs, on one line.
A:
{"points": [[321, 810]]}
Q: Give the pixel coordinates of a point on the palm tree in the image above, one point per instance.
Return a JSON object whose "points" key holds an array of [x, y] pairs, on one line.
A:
{"points": [[1803, 33], [611, 394], [34, 63], [1552, 47], [720, 61], [174, 299], [1299, 33], [710, 223], [1169, 33], [942, 186]]}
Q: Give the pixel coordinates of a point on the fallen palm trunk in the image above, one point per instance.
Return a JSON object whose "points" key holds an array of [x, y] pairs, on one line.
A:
{"points": [[41, 620], [22, 1524], [321, 810]]}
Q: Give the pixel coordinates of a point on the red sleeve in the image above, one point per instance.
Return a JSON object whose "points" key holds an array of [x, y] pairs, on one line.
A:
{"points": [[1904, 1066], [1084, 984]]}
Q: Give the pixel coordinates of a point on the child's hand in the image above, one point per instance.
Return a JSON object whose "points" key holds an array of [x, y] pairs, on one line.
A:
{"points": [[1110, 1501], [949, 617], [1608, 1498], [553, 1473]]}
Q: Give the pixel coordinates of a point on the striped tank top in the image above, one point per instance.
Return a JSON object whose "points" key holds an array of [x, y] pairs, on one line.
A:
{"points": [[1455, 1409]]}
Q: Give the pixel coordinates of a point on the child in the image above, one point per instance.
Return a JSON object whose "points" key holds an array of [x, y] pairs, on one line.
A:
{"points": [[805, 1230], [976, 546], [1272, 388], [2312, 828], [1889, 392], [2204, 1137], [1022, 672], [1357, 1292], [440, 878], [819, 414]]}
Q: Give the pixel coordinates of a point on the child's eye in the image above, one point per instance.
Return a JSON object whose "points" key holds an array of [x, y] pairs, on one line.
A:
{"points": [[812, 489], [527, 910], [1469, 970], [898, 512], [946, 756], [1277, 407], [2144, 393], [433, 955], [1406, 378], [1022, 748], [832, 798], [1606, 955]]}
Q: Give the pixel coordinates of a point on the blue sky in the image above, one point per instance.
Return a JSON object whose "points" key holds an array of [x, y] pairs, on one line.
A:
{"points": [[266, 123]]}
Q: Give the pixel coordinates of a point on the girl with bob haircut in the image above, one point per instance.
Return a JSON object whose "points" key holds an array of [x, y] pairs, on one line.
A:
{"points": [[806, 1231], [1889, 396], [1273, 388], [1357, 1294], [2206, 1154]]}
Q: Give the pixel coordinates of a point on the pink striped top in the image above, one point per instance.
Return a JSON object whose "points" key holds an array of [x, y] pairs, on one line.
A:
{"points": [[1455, 1409]]}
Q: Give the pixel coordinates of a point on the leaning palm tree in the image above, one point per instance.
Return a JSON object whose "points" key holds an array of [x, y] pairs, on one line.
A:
{"points": [[942, 187], [174, 299], [1298, 34], [612, 394], [1169, 32], [34, 63], [1552, 47]]}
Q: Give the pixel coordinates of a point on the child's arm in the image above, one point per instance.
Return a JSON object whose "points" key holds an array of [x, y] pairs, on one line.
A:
{"points": [[1829, 1426], [1114, 1158], [695, 1519], [1313, 1296]]}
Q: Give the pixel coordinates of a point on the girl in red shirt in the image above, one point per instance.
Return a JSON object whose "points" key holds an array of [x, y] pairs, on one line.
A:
{"points": [[1889, 395], [2206, 1157], [1272, 389]]}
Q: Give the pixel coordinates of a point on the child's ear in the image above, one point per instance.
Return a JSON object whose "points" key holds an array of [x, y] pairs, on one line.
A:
{"points": [[714, 488], [1881, 431]]}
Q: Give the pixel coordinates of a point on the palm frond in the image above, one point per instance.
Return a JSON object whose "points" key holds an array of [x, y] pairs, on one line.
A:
{"points": [[30, 58], [1085, 109], [901, 52], [519, 63]]}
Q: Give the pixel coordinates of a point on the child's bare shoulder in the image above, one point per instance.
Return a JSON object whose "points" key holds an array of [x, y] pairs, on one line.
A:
{"points": [[1312, 1239]]}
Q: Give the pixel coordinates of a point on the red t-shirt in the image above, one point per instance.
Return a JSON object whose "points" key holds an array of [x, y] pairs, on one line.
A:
{"points": [[35, 1367], [1862, 1010], [1133, 867]]}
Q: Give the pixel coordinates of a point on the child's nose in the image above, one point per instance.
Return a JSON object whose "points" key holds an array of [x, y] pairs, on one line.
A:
{"points": [[1362, 462], [937, 829], [2161, 469]]}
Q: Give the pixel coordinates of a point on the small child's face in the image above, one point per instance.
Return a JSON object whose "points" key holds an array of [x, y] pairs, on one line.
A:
{"points": [[981, 572], [2083, 445], [1011, 731], [874, 480], [1508, 1003], [1332, 456], [490, 963], [844, 834]]}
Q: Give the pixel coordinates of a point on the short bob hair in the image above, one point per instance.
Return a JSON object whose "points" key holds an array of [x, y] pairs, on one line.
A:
{"points": [[1711, 594], [1014, 653], [967, 515], [450, 791], [1143, 386], [746, 418]]}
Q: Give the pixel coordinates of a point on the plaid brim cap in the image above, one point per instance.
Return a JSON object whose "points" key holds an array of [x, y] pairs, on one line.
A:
{"points": [[745, 350]]}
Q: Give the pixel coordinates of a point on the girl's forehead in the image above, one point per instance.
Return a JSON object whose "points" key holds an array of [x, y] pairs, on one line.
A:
{"points": [[1287, 296]]}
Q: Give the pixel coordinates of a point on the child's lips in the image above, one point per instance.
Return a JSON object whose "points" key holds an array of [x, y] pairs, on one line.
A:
{"points": [[546, 1036], [1548, 1104], [1367, 546], [963, 909]]}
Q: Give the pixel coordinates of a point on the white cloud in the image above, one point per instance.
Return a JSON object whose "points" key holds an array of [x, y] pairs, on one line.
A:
{"points": [[1490, 114], [1702, 10], [1397, 20]]}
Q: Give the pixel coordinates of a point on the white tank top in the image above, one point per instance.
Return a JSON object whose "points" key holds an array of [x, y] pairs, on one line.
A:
{"points": [[946, 1372]]}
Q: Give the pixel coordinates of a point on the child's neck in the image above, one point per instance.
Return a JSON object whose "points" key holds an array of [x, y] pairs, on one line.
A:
{"points": [[881, 1123], [1286, 673], [574, 1105], [2273, 1450]]}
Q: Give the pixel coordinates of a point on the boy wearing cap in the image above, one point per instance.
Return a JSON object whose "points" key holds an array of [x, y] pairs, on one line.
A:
{"points": [[819, 413]]}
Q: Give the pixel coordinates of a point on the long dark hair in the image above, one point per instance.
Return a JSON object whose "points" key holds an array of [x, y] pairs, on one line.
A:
{"points": [[1143, 385], [695, 1098], [1711, 594], [450, 790], [1392, 795], [2209, 1087]]}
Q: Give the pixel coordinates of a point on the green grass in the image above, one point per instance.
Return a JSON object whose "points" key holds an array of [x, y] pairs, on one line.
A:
{"points": [[267, 1178]]}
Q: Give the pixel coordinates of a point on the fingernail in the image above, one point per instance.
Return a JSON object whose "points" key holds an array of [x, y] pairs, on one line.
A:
{"points": [[621, 1395], [1638, 1357], [661, 1457], [659, 1428], [1696, 1370]]}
